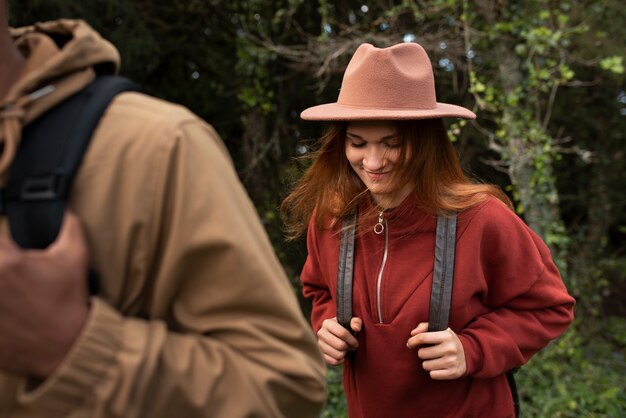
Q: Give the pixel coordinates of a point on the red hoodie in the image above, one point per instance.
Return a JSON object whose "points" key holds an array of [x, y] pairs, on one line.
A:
{"points": [[508, 302]]}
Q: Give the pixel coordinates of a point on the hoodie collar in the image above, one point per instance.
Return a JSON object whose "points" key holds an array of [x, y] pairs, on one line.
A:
{"points": [[61, 58], [405, 219], [57, 49]]}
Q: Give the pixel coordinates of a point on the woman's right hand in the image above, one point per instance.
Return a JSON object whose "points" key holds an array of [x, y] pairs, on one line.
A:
{"points": [[335, 341]]}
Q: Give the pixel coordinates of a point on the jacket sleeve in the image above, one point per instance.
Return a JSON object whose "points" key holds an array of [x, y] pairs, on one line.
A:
{"points": [[315, 283], [230, 340], [526, 302]]}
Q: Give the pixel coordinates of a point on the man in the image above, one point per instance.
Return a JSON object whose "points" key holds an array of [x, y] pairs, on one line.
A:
{"points": [[194, 315]]}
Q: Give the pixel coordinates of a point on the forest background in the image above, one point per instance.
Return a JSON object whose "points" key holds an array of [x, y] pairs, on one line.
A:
{"points": [[546, 79]]}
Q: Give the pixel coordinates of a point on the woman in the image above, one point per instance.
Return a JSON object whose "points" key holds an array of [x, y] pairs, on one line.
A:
{"points": [[387, 156]]}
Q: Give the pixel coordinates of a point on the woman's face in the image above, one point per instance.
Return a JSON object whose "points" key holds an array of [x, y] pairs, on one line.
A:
{"points": [[373, 149]]}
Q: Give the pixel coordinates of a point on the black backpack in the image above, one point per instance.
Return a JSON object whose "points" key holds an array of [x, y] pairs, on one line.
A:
{"points": [[441, 292], [47, 160]]}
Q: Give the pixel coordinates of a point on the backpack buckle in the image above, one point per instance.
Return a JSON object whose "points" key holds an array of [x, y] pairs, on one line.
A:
{"points": [[44, 187]]}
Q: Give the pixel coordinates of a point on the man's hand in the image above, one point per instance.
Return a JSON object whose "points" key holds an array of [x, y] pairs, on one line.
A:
{"points": [[43, 301], [335, 341], [443, 353]]}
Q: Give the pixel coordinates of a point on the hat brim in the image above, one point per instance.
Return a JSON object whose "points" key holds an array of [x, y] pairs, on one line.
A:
{"points": [[340, 112]]}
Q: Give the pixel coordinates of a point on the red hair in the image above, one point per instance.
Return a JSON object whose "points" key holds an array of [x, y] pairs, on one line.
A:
{"points": [[428, 161]]}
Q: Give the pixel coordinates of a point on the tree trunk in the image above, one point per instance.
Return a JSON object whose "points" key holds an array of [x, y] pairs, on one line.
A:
{"points": [[527, 150]]}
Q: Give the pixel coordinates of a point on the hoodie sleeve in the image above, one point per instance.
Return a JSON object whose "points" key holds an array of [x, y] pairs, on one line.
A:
{"points": [[315, 283], [222, 333], [526, 302]]}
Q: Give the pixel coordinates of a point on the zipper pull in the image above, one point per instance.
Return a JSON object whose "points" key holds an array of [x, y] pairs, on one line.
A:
{"points": [[379, 227]]}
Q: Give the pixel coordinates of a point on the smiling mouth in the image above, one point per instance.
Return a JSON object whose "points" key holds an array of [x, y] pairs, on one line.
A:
{"points": [[376, 175]]}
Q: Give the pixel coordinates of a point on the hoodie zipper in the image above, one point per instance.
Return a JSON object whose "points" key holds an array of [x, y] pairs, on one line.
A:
{"points": [[382, 268]]}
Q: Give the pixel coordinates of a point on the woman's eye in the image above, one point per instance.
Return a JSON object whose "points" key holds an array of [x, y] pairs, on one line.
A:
{"points": [[357, 144], [393, 144]]}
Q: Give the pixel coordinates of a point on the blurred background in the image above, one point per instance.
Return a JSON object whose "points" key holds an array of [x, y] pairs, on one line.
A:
{"points": [[546, 79]]}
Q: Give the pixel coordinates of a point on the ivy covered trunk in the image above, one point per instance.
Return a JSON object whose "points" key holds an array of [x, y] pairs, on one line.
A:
{"points": [[532, 176], [523, 100]]}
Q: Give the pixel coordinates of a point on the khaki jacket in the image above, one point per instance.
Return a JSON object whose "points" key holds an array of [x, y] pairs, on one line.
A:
{"points": [[194, 316]]}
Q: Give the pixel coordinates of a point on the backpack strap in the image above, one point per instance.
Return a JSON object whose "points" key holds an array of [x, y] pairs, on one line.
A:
{"points": [[47, 160], [441, 294], [510, 378], [50, 152], [346, 271], [443, 273]]}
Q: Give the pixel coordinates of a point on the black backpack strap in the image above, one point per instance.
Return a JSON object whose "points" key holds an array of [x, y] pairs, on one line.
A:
{"points": [[50, 152], [46, 162], [443, 273], [346, 271], [510, 378], [441, 293]]}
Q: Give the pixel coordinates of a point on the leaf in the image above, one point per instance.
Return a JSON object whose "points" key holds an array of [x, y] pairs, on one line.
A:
{"points": [[614, 64]]}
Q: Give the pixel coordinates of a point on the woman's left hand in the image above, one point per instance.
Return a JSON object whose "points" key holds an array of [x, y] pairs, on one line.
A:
{"points": [[442, 352]]}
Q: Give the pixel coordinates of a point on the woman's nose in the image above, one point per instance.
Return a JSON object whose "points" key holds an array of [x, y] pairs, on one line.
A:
{"points": [[374, 159]]}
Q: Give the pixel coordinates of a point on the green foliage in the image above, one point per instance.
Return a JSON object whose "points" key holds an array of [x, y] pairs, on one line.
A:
{"points": [[614, 64], [336, 405], [579, 375], [252, 66], [455, 129]]}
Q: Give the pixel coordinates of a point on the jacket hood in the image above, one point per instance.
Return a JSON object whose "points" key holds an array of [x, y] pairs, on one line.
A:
{"points": [[62, 57]]}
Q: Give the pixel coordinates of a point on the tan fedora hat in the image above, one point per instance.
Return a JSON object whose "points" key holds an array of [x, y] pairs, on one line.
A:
{"points": [[390, 84]]}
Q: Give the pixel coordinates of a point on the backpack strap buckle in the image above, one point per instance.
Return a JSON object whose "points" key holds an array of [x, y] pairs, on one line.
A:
{"points": [[43, 187]]}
